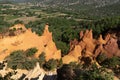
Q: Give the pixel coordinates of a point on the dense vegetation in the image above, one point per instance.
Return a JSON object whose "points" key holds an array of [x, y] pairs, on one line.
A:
{"points": [[92, 9], [24, 60], [64, 30], [19, 60], [3, 24], [67, 72]]}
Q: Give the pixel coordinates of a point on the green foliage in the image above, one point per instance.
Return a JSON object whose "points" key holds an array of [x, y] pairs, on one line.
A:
{"points": [[101, 57], [1, 18], [111, 62], [96, 75], [60, 63], [41, 59], [50, 65], [11, 32], [18, 60], [65, 73], [64, 30], [18, 22], [61, 28], [81, 10], [63, 47], [73, 64], [39, 16], [75, 71], [92, 73], [69, 34], [30, 13], [4, 26], [29, 64], [1, 78], [30, 52]]}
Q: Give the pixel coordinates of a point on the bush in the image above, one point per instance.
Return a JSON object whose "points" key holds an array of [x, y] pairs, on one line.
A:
{"points": [[60, 63], [18, 22], [69, 72], [65, 73], [94, 73], [41, 59], [39, 16], [18, 60], [50, 65], [101, 57], [30, 52], [63, 46], [111, 62]]}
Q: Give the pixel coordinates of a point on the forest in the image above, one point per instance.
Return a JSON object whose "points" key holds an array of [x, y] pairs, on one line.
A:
{"points": [[65, 26]]}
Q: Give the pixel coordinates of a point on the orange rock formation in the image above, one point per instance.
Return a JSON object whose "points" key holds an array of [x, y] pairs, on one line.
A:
{"points": [[27, 39], [89, 47], [23, 39]]}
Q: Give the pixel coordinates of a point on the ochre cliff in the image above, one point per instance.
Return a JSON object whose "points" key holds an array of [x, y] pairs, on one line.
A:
{"points": [[20, 38], [88, 47], [23, 39]]}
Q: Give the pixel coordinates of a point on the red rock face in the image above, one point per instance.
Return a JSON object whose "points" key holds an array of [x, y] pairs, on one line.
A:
{"points": [[111, 47], [91, 48], [72, 44]]}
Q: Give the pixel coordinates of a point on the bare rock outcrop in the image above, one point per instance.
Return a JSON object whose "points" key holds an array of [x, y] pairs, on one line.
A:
{"points": [[111, 47], [37, 72], [89, 47], [27, 39], [73, 55]]}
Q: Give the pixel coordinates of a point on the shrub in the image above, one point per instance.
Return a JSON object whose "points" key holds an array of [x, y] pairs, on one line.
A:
{"points": [[94, 73], [73, 64], [60, 63], [50, 65], [18, 22], [101, 57], [41, 59], [39, 16], [65, 73], [18, 60], [30, 52], [111, 62]]}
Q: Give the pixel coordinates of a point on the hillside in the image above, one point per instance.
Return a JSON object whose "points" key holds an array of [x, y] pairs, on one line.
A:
{"points": [[83, 9], [88, 47], [25, 39], [59, 39], [87, 51]]}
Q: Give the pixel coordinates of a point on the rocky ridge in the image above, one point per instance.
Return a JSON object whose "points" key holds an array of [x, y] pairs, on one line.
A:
{"points": [[86, 47], [90, 47], [22, 39]]}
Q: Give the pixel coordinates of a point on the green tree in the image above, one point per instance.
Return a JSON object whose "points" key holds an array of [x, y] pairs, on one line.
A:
{"points": [[50, 65], [101, 57], [63, 47], [18, 22], [30, 52], [18, 60], [111, 62], [41, 59], [65, 73]]}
